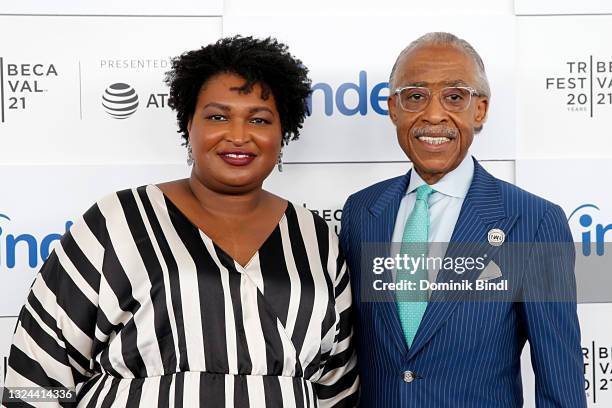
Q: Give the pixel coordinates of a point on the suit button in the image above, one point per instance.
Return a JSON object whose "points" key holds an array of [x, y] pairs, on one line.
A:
{"points": [[408, 376]]}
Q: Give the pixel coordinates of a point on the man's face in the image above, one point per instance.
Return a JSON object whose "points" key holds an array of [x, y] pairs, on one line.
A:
{"points": [[435, 140]]}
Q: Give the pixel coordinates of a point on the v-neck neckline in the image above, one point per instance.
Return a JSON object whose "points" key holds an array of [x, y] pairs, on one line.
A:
{"points": [[201, 232]]}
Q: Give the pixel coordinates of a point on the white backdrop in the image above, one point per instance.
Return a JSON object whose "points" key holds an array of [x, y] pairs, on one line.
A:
{"points": [[61, 111], [61, 149], [114, 7], [575, 184], [353, 125], [564, 93], [556, 7]]}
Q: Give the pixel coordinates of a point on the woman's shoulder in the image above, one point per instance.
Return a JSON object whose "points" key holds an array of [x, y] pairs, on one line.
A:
{"points": [[320, 224], [121, 201]]}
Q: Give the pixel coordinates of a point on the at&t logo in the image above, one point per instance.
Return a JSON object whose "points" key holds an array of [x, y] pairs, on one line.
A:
{"points": [[120, 100], [590, 231], [12, 245]]}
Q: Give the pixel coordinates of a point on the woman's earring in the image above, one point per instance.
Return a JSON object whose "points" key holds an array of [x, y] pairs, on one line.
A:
{"points": [[280, 161], [189, 154]]}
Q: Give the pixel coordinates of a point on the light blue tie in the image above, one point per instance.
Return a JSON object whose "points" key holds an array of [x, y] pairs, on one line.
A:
{"points": [[411, 306]]}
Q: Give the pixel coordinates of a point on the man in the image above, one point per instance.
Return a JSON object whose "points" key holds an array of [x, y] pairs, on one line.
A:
{"points": [[437, 351]]}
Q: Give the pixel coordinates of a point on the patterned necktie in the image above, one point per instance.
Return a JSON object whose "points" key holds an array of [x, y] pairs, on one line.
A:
{"points": [[411, 305]]}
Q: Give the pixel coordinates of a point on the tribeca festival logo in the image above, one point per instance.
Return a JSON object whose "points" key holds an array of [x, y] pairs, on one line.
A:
{"points": [[583, 221], [597, 371], [120, 100], [330, 215], [22, 82], [349, 98], [15, 245], [585, 84]]}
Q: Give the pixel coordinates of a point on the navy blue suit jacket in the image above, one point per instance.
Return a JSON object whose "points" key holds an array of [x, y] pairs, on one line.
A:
{"points": [[467, 354]]}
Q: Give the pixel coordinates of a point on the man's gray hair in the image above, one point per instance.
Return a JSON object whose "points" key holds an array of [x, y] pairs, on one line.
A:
{"points": [[441, 38]]}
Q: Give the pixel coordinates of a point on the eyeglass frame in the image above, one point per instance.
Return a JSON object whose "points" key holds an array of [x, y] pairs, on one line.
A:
{"points": [[472, 91]]}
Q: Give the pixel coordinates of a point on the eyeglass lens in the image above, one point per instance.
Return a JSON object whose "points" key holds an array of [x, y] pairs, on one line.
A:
{"points": [[452, 99]]}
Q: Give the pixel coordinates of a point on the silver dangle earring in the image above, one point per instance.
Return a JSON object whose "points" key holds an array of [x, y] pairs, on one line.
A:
{"points": [[279, 163], [189, 154]]}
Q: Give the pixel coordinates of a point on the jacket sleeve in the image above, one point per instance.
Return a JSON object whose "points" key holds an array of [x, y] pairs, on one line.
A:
{"points": [[55, 332], [550, 317], [338, 384]]}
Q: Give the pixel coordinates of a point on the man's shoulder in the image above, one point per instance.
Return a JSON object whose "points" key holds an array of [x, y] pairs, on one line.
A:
{"points": [[517, 199], [531, 208], [367, 196]]}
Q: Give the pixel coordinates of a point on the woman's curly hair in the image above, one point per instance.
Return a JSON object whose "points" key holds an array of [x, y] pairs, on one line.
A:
{"points": [[263, 61]]}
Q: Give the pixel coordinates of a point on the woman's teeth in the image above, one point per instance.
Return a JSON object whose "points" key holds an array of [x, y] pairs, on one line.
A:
{"points": [[237, 155]]}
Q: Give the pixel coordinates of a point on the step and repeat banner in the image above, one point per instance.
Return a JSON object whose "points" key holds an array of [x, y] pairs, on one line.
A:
{"points": [[58, 70], [183, 8], [558, 7], [564, 151], [349, 68], [579, 187], [63, 147]]}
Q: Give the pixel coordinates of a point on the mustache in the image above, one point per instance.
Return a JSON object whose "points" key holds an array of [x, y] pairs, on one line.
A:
{"points": [[435, 131]]}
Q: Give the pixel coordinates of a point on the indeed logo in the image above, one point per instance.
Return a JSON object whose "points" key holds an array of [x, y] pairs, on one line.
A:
{"points": [[590, 231], [36, 249], [355, 91]]}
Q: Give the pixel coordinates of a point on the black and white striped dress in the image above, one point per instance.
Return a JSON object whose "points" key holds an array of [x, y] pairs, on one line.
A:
{"points": [[139, 308]]}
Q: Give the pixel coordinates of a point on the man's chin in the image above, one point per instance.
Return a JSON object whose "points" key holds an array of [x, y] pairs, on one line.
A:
{"points": [[433, 169]]}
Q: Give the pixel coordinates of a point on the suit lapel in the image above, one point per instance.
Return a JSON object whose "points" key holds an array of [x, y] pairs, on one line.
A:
{"points": [[377, 227], [482, 210]]}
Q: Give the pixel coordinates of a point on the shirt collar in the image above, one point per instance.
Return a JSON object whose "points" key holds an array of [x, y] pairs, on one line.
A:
{"points": [[453, 184]]}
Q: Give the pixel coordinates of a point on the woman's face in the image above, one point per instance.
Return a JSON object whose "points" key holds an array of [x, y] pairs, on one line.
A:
{"points": [[235, 137]]}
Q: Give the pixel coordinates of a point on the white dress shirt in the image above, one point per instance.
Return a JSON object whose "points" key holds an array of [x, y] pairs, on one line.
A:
{"points": [[444, 206]]}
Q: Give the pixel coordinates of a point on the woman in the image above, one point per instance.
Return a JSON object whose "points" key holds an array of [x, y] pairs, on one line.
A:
{"points": [[208, 291]]}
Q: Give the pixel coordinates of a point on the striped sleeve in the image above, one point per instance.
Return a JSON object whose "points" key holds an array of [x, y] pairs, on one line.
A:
{"points": [[339, 381], [54, 336]]}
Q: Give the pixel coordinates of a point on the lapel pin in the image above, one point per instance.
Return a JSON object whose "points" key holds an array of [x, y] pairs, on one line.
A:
{"points": [[496, 237]]}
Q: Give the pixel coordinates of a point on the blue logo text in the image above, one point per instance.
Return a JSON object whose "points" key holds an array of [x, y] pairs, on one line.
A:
{"points": [[590, 231], [360, 89], [37, 249]]}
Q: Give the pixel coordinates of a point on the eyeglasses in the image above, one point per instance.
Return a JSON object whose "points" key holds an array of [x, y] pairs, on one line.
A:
{"points": [[452, 98]]}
